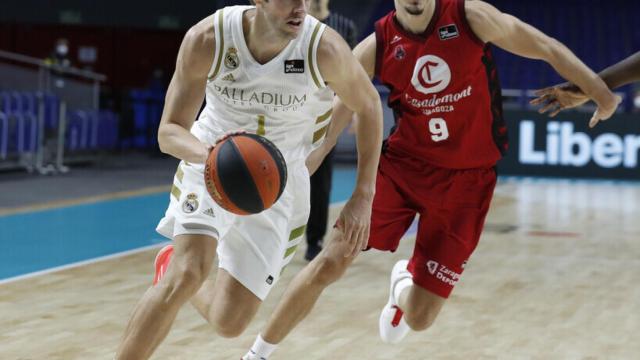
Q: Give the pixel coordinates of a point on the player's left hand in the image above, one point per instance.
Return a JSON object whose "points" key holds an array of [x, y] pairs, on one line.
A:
{"points": [[355, 221], [559, 97]]}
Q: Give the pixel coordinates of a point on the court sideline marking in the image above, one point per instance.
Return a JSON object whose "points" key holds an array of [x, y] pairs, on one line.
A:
{"points": [[84, 200], [107, 257]]}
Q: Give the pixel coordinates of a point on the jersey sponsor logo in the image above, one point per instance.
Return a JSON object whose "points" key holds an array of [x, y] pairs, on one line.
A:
{"points": [[399, 53], [438, 104], [431, 74], [443, 273], [231, 59], [190, 204], [448, 32], [566, 147], [294, 66], [395, 39], [274, 101]]}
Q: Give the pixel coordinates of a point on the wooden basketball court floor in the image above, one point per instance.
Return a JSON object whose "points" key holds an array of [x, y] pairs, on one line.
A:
{"points": [[556, 276]]}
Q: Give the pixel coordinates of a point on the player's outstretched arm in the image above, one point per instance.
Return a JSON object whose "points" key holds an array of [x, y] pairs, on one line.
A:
{"points": [[522, 39], [568, 95], [186, 93], [625, 72], [342, 71]]}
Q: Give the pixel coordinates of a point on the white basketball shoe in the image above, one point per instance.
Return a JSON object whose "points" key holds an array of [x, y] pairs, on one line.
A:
{"points": [[393, 328]]}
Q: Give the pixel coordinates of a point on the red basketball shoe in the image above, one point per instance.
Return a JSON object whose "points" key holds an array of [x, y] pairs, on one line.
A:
{"points": [[162, 262]]}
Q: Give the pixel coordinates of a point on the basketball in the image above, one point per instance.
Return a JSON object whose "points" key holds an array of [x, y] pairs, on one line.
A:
{"points": [[245, 174]]}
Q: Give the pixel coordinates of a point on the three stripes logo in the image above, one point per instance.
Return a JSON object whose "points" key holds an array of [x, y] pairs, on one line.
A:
{"points": [[209, 212], [229, 77]]}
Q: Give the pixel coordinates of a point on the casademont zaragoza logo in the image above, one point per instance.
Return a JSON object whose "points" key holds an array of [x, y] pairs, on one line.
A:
{"points": [[431, 75]]}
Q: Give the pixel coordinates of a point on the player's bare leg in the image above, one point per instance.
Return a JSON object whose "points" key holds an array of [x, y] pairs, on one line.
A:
{"points": [[305, 289], [421, 307], [226, 304], [410, 307], [156, 311]]}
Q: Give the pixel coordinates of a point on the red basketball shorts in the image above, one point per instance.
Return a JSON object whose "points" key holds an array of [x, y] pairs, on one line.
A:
{"points": [[452, 205]]}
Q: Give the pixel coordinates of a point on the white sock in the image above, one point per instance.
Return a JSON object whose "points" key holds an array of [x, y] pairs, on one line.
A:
{"points": [[400, 287], [261, 349]]}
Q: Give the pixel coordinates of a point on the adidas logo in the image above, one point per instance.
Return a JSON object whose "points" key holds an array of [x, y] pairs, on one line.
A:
{"points": [[229, 77], [395, 39], [209, 212], [432, 266]]}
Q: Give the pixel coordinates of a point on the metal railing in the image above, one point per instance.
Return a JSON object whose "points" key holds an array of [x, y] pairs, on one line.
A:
{"points": [[32, 131]]}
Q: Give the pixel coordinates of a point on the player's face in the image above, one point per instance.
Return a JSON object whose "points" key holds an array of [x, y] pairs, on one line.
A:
{"points": [[411, 7], [286, 16]]}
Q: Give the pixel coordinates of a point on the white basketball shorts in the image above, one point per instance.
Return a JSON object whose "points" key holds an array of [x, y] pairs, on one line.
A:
{"points": [[254, 249]]}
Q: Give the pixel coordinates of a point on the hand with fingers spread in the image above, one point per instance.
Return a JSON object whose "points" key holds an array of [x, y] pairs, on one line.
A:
{"points": [[354, 222], [566, 96], [559, 97]]}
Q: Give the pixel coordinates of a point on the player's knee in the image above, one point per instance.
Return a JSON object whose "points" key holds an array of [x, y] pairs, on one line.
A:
{"points": [[421, 319], [231, 328], [328, 269], [184, 282]]}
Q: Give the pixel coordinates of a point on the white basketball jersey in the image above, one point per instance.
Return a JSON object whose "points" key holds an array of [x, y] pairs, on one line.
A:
{"points": [[285, 100]]}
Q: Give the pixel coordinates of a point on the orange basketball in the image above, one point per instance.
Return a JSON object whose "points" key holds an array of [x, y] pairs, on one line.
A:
{"points": [[245, 174]]}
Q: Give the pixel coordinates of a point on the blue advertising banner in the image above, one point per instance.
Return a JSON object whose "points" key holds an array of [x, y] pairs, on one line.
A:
{"points": [[564, 146]]}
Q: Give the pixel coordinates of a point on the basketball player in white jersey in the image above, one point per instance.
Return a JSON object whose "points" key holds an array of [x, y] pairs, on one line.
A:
{"points": [[267, 70]]}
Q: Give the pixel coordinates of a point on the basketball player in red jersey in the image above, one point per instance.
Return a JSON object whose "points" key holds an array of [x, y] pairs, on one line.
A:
{"points": [[567, 95], [439, 162]]}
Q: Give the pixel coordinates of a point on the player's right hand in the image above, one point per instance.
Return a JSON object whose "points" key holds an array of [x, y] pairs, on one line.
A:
{"points": [[566, 96], [559, 97]]}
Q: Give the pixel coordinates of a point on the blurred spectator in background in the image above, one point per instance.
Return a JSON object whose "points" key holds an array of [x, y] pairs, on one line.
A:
{"points": [[59, 57], [60, 54], [321, 179]]}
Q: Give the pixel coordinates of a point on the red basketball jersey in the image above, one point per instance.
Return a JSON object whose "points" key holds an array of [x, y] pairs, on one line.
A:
{"points": [[445, 92]]}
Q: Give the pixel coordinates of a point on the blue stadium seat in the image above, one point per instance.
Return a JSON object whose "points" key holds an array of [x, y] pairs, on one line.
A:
{"points": [[51, 111], [4, 135]]}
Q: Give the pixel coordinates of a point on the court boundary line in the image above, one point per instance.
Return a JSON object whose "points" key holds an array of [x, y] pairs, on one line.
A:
{"points": [[100, 259], [81, 263], [84, 200]]}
